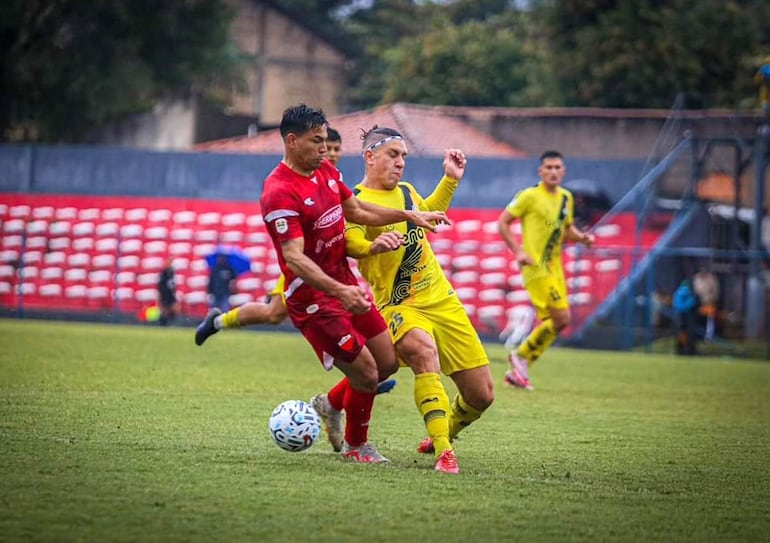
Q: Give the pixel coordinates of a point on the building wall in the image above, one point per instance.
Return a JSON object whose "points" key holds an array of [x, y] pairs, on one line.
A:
{"points": [[290, 64]]}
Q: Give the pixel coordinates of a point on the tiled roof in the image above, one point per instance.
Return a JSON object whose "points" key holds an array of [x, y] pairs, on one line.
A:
{"points": [[427, 130]]}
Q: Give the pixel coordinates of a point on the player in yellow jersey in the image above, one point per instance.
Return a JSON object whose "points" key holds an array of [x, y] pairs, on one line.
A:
{"points": [[546, 214], [427, 321]]}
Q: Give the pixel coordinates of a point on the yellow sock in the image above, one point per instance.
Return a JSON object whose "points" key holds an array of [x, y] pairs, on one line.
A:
{"points": [[230, 319], [433, 404], [538, 341], [461, 416]]}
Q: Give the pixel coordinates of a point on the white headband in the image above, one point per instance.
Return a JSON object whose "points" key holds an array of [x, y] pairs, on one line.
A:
{"points": [[383, 141]]}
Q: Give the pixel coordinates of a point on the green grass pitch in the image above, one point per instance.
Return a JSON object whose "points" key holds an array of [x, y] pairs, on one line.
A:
{"points": [[131, 433]]}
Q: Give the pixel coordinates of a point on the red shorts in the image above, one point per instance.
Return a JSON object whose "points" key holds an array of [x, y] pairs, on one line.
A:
{"points": [[341, 337]]}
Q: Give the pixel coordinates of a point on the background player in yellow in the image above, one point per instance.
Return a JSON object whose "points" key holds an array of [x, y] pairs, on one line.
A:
{"points": [[427, 321], [546, 212]]}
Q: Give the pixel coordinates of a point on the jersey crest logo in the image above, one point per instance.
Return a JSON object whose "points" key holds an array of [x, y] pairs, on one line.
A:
{"points": [[281, 226], [333, 185], [346, 343], [309, 202]]}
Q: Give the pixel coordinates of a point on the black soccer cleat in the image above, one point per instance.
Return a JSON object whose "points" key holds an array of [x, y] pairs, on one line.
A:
{"points": [[206, 328]]}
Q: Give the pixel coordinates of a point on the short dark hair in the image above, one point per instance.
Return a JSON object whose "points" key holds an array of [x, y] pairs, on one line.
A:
{"points": [[551, 154], [332, 134], [375, 134], [301, 118]]}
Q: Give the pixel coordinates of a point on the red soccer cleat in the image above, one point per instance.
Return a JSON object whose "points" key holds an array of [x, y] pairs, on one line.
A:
{"points": [[447, 462]]}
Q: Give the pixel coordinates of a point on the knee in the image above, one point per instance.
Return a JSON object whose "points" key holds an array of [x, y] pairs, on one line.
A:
{"points": [[481, 397], [276, 311], [485, 398], [560, 322], [367, 379]]}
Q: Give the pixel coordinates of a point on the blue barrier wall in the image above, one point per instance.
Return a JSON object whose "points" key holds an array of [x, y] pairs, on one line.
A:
{"points": [[488, 183]]}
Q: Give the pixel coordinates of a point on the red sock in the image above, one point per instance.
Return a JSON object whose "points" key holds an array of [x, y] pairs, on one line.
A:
{"points": [[336, 394], [358, 411]]}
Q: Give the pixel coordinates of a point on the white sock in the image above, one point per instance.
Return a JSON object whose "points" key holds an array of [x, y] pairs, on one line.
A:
{"points": [[218, 322]]}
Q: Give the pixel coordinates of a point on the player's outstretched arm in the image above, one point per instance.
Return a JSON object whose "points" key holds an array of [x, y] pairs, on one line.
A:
{"points": [[353, 297], [361, 212]]}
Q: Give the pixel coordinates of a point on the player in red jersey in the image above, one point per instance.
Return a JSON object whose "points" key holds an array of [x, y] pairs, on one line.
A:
{"points": [[305, 204]]}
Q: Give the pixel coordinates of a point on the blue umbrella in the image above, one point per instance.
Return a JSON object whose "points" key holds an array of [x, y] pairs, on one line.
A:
{"points": [[238, 261]]}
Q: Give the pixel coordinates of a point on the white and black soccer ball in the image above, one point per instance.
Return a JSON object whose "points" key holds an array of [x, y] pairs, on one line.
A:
{"points": [[294, 425]]}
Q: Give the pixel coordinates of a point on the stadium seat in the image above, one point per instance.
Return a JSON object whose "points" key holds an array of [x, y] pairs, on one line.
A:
{"points": [[82, 244], [128, 262], [32, 257], [210, 218], [233, 219], [106, 229], [159, 215], [517, 297], [152, 263], [43, 212], [155, 247], [55, 258], [136, 214], [232, 237], [204, 249], [131, 231], [156, 233], [106, 245], [67, 213], [181, 234], [89, 214], [209, 236], [83, 229], [256, 238], [50, 290], [59, 244], [609, 265], [199, 265], [466, 293], [493, 263], [20, 211], [37, 227], [12, 241], [146, 295], [240, 298], [79, 260], [113, 214], [255, 221], [13, 226], [37, 242], [248, 284], [130, 246]]}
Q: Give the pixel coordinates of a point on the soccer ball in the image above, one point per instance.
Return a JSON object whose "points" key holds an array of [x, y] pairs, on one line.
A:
{"points": [[294, 425]]}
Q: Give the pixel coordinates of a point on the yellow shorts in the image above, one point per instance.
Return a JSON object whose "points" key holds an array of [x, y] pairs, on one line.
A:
{"points": [[459, 347], [546, 293]]}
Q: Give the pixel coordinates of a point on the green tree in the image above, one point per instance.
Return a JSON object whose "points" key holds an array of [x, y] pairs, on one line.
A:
{"points": [[475, 64], [612, 53], [69, 65]]}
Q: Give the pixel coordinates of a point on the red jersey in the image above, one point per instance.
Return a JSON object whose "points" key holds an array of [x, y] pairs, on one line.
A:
{"points": [[296, 206]]}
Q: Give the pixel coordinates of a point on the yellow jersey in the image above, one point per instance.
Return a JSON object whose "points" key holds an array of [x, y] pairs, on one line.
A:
{"points": [[544, 216], [409, 275]]}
